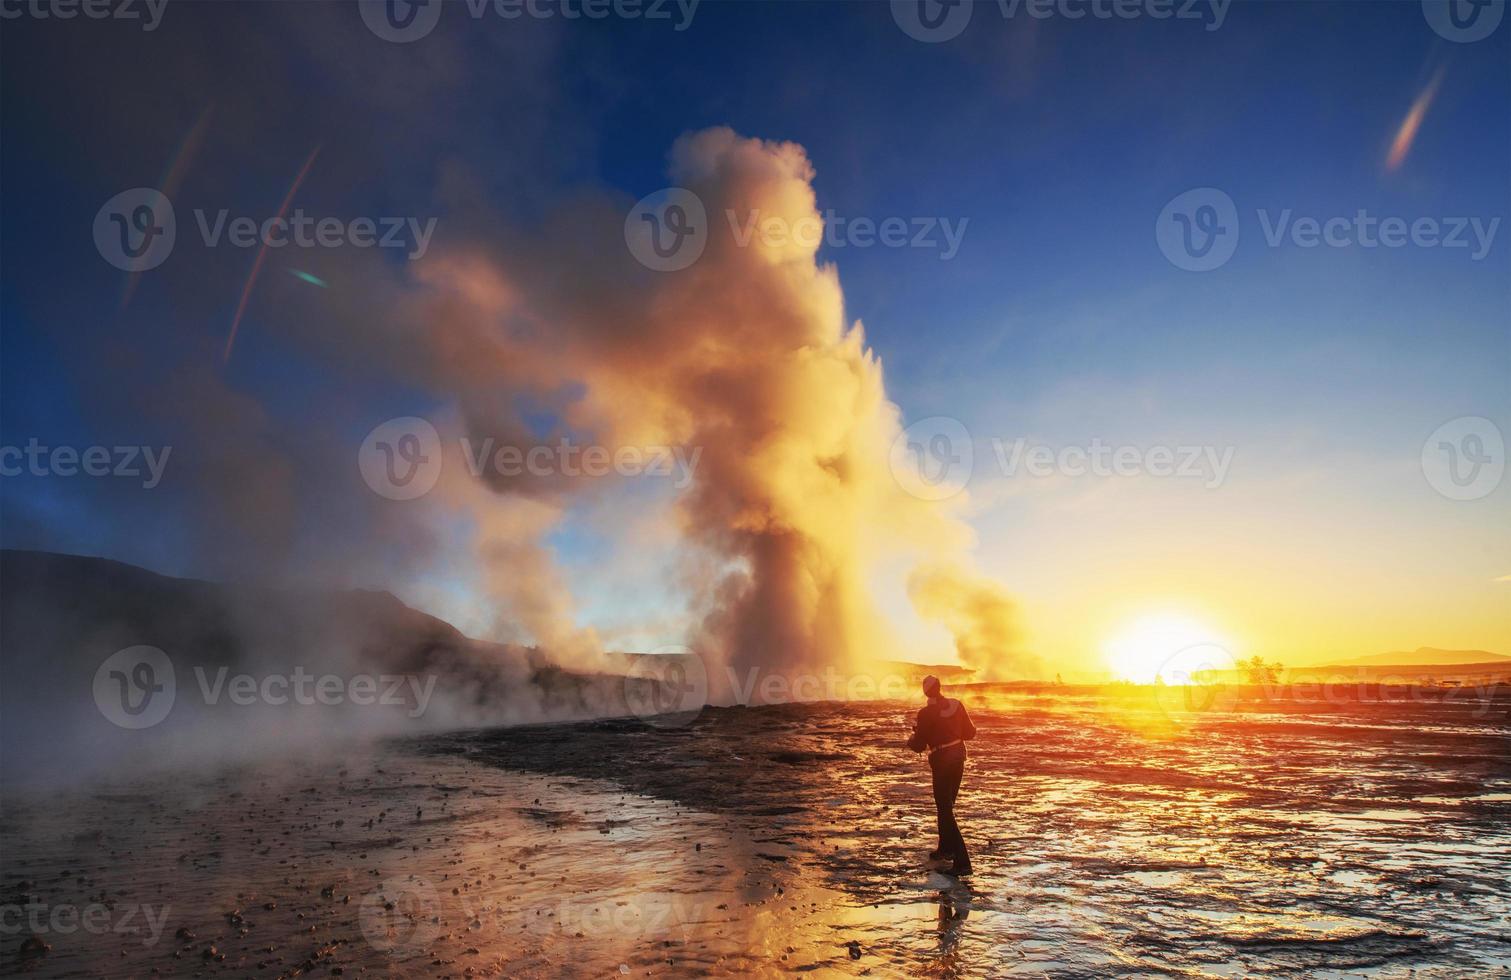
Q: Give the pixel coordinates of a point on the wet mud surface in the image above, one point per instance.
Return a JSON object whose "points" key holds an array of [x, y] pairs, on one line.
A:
{"points": [[1370, 841]]}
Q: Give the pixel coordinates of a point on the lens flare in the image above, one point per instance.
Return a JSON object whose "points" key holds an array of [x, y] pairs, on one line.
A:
{"points": [[262, 253], [1412, 124], [171, 179], [303, 276]]}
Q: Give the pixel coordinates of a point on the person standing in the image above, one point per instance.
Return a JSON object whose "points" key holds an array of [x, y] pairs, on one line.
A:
{"points": [[943, 728]]}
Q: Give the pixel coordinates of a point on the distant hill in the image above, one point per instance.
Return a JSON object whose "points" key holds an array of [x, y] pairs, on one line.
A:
{"points": [[62, 615], [1423, 657], [947, 673], [1493, 671], [57, 607]]}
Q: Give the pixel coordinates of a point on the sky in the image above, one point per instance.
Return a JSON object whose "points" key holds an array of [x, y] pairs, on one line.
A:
{"points": [[1297, 387]]}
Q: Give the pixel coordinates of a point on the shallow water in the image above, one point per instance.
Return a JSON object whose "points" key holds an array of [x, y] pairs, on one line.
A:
{"points": [[1106, 841]]}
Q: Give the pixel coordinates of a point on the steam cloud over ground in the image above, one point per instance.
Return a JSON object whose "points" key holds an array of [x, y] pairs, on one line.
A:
{"points": [[788, 522], [786, 548], [747, 359]]}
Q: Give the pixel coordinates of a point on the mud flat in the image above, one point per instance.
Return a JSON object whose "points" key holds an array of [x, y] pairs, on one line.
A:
{"points": [[789, 839], [1110, 836]]}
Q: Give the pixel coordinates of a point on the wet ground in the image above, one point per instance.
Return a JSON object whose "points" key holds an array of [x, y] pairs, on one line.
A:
{"points": [[1365, 840]]}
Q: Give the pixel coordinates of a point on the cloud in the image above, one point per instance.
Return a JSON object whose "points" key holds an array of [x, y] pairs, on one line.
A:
{"points": [[980, 615], [746, 357], [519, 330]]}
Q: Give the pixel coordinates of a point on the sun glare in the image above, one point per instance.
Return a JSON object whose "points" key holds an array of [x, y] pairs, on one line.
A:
{"points": [[1158, 648]]}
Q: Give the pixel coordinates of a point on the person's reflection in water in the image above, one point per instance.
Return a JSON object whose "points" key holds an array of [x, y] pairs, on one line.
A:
{"points": [[952, 915], [953, 909], [943, 728]]}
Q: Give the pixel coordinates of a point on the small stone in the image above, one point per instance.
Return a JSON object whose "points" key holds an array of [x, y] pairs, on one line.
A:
{"points": [[33, 946]]}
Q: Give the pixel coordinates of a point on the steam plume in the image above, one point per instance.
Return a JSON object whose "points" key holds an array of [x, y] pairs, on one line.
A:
{"points": [[980, 616], [746, 355]]}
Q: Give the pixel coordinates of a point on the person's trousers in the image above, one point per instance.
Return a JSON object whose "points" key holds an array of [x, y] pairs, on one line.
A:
{"points": [[948, 766]]}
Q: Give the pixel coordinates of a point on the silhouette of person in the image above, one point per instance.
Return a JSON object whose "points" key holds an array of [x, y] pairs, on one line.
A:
{"points": [[952, 915], [943, 728]]}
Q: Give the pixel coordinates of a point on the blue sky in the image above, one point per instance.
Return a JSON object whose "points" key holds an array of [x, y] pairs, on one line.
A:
{"points": [[1058, 142]]}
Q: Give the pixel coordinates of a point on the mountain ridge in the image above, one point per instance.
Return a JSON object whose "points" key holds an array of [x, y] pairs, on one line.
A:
{"points": [[1421, 657]]}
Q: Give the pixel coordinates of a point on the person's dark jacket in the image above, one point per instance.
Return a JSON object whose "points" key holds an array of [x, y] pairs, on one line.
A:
{"points": [[941, 722]]}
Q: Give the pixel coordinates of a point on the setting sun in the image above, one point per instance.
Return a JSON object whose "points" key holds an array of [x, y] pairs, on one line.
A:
{"points": [[1159, 647]]}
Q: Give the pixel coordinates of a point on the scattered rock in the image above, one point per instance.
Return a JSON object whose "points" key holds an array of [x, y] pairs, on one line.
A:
{"points": [[33, 946]]}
